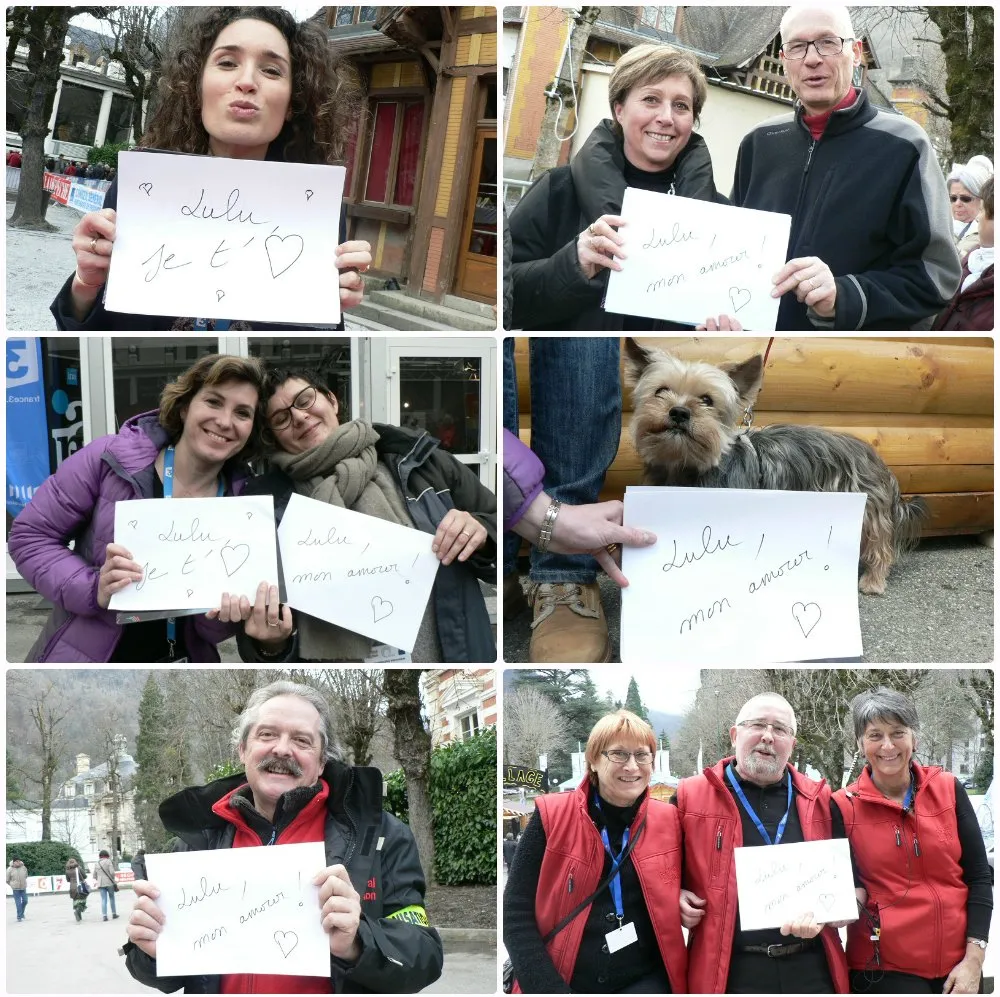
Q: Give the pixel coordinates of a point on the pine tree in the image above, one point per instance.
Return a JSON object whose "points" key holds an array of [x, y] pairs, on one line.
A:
{"points": [[152, 754], [633, 701]]}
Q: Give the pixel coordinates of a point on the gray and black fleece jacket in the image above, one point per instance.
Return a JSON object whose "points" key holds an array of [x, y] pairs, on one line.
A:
{"points": [[869, 199]]}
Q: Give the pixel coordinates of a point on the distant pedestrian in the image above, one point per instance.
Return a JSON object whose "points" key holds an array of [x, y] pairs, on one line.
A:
{"points": [[78, 888], [139, 864], [17, 880], [509, 847], [105, 873], [61, 164], [71, 170], [14, 159]]}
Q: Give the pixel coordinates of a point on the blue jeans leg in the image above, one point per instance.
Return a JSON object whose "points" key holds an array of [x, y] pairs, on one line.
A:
{"points": [[576, 419], [20, 902], [511, 541], [104, 900]]}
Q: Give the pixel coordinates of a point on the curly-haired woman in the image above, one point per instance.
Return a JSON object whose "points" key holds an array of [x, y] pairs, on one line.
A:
{"points": [[238, 83]]}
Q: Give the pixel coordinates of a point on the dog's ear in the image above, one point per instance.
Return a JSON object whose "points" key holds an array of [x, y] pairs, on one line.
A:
{"points": [[637, 359], [747, 377]]}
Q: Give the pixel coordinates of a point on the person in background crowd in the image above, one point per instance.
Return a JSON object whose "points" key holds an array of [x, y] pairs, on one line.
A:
{"points": [[17, 880], [105, 875], [71, 170], [79, 889], [921, 858], [871, 244], [972, 307], [965, 190], [139, 864], [14, 158]]}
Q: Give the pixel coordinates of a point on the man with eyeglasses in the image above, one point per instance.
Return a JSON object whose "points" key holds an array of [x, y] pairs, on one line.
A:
{"points": [[870, 244], [754, 797]]}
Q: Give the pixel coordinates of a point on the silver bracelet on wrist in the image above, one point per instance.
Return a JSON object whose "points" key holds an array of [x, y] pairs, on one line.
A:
{"points": [[545, 530]]}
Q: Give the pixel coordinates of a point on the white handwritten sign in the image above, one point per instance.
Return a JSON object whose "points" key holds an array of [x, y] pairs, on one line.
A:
{"points": [[194, 549], [742, 576], [690, 259], [359, 572], [777, 884], [226, 238], [241, 910]]}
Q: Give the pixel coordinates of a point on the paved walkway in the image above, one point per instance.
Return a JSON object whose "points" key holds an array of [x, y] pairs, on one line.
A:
{"points": [[51, 953]]}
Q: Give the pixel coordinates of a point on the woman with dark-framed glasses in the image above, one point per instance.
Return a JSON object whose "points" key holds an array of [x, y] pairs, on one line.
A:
{"points": [[592, 902], [398, 475], [920, 855]]}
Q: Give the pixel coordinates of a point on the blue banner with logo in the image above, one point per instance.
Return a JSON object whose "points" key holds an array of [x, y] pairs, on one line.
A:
{"points": [[27, 428]]}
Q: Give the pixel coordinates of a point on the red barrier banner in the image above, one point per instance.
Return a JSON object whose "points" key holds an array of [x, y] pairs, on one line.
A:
{"points": [[59, 186]]}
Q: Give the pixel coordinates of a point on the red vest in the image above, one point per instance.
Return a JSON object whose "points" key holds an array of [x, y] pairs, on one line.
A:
{"points": [[710, 820], [922, 897], [574, 854], [309, 825]]}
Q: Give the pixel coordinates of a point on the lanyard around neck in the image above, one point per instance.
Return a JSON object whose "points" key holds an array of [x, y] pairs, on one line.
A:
{"points": [[751, 813], [168, 492], [615, 885]]}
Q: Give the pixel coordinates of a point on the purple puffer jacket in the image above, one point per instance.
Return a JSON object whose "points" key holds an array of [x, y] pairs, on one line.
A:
{"points": [[78, 501], [522, 478]]}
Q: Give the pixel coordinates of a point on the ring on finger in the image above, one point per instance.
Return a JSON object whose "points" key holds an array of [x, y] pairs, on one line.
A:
{"points": [[465, 533], [93, 245], [270, 624], [590, 228]]}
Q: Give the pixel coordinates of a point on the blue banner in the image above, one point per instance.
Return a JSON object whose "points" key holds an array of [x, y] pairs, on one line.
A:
{"points": [[27, 429], [85, 197]]}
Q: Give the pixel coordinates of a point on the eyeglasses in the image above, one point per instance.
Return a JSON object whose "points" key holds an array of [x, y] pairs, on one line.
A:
{"points": [[877, 737], [964, 198], [304, 400], [826, 47], [761, 726], [622, 757]]}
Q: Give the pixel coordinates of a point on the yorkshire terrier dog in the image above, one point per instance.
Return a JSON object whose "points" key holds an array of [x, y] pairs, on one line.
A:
{"points": [[685, 430]]}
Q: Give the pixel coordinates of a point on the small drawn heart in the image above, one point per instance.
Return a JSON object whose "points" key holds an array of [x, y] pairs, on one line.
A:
{"points": [[379, 611], [147, 188], [309, 195], [287, 940], [283, 252], [826, 899], [807, 615], [190, 593], [235, 560], [740, 294], [219, 295], [249, 515], [133, 523]]}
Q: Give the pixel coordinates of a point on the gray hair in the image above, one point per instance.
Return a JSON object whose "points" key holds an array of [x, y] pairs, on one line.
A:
{"points": [[749, 708], [329, 745], [885, 705], [841, 15]]}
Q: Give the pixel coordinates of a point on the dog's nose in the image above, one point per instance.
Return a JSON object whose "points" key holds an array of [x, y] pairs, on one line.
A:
{"points": [[680, 414]]}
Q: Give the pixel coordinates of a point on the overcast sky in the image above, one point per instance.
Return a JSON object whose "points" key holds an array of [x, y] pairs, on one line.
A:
{"points": [[92, 24]]}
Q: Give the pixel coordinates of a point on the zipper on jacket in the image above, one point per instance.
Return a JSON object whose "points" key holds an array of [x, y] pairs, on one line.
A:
{"points": [[899, 838], [718, 839], [916, 846], [274, 834], [793, 240], [569, 882]]}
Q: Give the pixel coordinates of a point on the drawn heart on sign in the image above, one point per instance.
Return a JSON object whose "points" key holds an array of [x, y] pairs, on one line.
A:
{"points": [[249, 515], [826, 899], [133, 523], [219, 295], [379, 610], [147, 188], [190, 593], [235, 560], [741, 295], [287, 940], [283, 252], [807, 615], [309, 195]]}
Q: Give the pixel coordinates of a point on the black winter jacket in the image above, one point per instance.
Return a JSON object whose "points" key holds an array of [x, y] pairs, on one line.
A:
{"points": [[550, 290], [432, 482], [398, 956], [869, 200], [99, 319]]}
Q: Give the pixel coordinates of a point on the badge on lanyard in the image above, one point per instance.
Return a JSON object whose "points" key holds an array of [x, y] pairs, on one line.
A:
{"points": [[624, 934]]}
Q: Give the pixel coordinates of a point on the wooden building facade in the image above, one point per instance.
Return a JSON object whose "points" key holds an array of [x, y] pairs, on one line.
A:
{"points": [[422, 166]]}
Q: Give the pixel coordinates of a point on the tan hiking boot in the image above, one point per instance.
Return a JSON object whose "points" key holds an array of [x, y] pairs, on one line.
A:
{"points": [[569, 624], [514, 602]]}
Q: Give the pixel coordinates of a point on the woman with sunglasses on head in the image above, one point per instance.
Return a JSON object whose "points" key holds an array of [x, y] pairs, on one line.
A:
{"points": [[237, 83], [196, 444], [920, 855], [611, 854], [398, 475]]}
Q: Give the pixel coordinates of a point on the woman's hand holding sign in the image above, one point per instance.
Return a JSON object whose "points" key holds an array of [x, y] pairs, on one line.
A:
{"points": [[599, 246], [117, 572], [353, 259], [93, 241]]}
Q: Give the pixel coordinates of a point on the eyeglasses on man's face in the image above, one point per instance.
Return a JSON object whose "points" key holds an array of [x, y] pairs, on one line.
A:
{"points": [[621, 757], [761, 726], [964, 198], [830, 45], [304, 400]]}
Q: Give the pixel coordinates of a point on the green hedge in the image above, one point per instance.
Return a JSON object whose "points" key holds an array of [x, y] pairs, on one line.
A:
{"points": [[107, 153], [44, 858], [464, 801]]}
